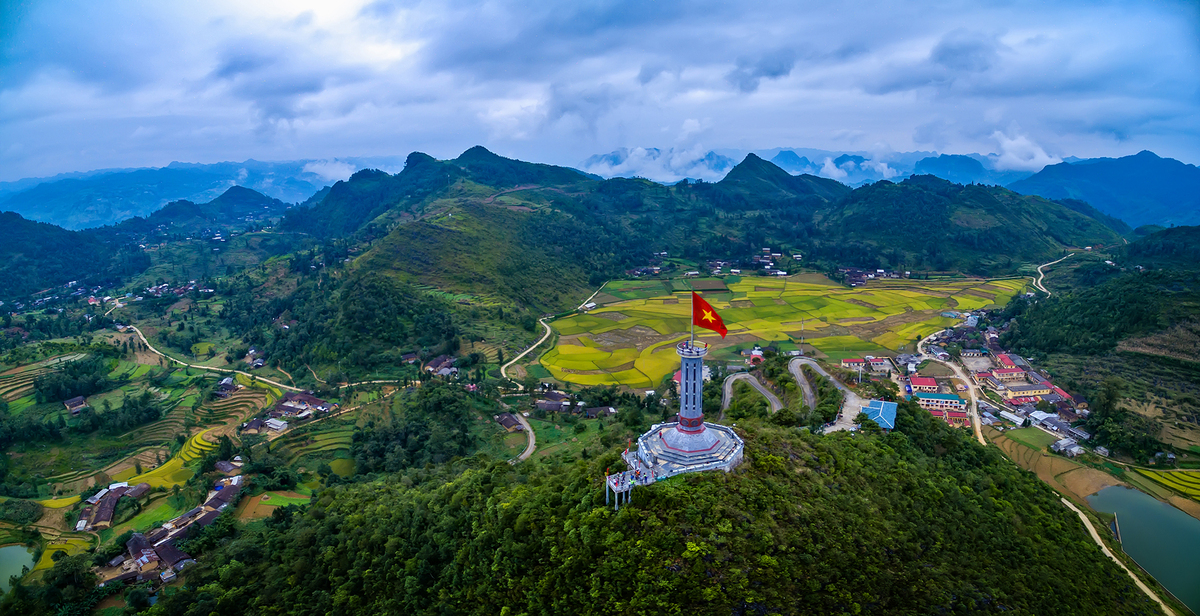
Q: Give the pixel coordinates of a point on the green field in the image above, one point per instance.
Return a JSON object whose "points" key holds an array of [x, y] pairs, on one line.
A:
{"points": [[1184, 482], [1033, 437], [629, 340]]}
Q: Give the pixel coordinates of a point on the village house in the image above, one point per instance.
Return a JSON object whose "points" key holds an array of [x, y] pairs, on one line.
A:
{"points": [[599, 411], [1026, 391], [854, 363], [225, 387], [442, 365], [76, 404], [509, 422], [1009, 374], [923, 384], [880, 365], [939, 401], [276, 425], [296, 403]]}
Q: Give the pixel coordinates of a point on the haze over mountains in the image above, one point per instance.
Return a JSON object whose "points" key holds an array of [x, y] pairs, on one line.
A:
{"points": [[1138, 190]]}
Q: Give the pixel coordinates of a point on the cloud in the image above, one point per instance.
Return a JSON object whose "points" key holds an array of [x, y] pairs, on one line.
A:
{"points": [[831, 171], [330, 170], [668, 166], [558, 81], [1021, 154], [772, 65]]}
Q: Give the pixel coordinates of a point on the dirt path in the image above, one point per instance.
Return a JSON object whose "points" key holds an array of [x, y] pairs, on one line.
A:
{"points": [[1104, 548], [810, 397], [314, 373], [1042, 275], [510, 190]]}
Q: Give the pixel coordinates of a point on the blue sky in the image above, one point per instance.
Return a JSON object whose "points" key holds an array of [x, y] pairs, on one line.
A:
{"points": [[122, 84]]}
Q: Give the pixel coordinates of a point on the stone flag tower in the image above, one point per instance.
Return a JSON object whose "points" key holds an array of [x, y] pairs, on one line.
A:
{"points": [[689, 444]]}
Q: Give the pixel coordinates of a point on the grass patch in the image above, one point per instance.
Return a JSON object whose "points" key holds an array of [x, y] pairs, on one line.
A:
{"points": [[1032, 437]]}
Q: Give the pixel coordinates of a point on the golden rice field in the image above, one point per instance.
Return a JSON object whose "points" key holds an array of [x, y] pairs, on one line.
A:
{"points": [[630, 340], [173, 472], [1184, 482]]}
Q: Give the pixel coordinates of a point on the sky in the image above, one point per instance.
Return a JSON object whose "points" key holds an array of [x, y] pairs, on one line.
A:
{"points": [[108, 84]]}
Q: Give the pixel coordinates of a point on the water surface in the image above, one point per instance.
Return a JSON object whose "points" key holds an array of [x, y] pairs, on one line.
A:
{"points": [[1162, 539], [12, 559]]}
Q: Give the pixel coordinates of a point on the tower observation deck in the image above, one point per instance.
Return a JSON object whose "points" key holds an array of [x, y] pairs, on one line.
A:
{"points": [[688, 444]]}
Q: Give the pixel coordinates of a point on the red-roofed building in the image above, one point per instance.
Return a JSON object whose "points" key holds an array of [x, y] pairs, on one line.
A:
{"points": [[1005, 361], [923, 383], [958, 419], [1009, 374], [854, 363]]}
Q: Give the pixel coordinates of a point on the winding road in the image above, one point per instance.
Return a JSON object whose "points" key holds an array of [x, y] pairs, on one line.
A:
{"points": [[727, 397], [959, 373], [1108, 553], [531, 444], [545, 335], [850, 400], [1042, 275], [203, 367]]}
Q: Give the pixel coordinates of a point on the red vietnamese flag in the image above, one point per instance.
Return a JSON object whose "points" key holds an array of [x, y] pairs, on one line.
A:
{"points": [[703, 315]]}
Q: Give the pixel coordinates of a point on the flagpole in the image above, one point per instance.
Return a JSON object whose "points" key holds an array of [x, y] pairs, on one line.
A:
{"points": [[692, 340]]}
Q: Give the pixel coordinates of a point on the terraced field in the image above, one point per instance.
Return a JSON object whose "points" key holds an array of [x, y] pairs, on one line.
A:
{"points": [[327, 439], [629, 340], [19, 383], [1184, 482], [173, 471], [71, 543]]}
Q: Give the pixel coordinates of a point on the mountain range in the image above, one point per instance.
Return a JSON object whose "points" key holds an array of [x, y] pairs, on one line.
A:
{"points": [[1141, 189]]}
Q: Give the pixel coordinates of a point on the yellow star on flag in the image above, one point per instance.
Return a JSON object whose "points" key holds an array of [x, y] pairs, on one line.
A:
{"points": [[708, 316]]}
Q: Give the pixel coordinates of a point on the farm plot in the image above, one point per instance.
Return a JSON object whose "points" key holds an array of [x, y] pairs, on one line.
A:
{"points": [[629, 342], [1184, 482], [324, 441], [173, 472]]}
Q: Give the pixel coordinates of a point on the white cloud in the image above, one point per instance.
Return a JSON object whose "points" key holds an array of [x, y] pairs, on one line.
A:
{"points": [[330, 170], [832, 171], [558, 81], [1021, 154]]}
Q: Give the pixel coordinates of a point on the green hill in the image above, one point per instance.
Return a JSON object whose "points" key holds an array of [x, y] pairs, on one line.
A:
{"points": [[929, 222], [36, 256], [234, 208], [916, 522], [1177, 247]]}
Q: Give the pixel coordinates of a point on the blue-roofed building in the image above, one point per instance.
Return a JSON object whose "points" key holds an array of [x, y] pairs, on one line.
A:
{"points": [[882, 413]]}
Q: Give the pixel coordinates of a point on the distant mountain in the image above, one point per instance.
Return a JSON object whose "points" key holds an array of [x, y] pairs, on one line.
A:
{"points": [[101, 198], [35, 256], [235, 208], [794, 163], [1140, 189], [667, 166], [962, 169], [755, 179]]}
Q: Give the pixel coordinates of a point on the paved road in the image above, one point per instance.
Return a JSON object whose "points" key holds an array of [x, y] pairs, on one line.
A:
{"points": [[1104, 548], [532, 442], [810, 397], [545, 335], [727, 397], [1042, 275], [851, 402], [202, 367], [973, 405]]}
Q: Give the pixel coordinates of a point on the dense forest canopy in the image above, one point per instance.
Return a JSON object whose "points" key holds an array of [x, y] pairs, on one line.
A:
{"points": [[917, 521]]}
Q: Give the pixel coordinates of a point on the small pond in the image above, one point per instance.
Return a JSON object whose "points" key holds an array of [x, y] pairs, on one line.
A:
{"points": [[1162, 539], [12, 559]]}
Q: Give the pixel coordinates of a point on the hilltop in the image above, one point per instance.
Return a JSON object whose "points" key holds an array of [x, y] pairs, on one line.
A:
{"points": [[1140, 189]]}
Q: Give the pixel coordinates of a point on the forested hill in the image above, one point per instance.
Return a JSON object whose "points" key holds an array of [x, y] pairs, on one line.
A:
{"points": [[231, 209], [1177, 247], [920, 521], [950, 225], [35, 256], [1139, 189], [528, 232]]}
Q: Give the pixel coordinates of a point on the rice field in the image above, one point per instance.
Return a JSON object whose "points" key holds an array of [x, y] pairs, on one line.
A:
{"points": [[629, 339], [1184, 482], [173, 472], [325, 440]]}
